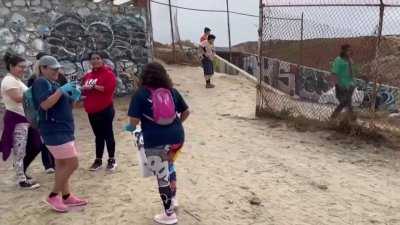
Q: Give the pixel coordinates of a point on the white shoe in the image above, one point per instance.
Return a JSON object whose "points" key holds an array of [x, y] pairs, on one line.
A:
{"points": [[163, 218], [49, 170], [175, 202]]}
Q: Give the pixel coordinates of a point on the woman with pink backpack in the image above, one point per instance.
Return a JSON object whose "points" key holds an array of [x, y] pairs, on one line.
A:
{"points": [[161, 110]]}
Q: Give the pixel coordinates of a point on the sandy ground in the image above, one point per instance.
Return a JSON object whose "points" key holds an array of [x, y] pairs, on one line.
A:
{"points": [[235, 170]]}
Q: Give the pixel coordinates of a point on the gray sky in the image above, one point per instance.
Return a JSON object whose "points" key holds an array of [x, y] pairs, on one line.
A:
{"points": [[320, 22], [192, 23]]}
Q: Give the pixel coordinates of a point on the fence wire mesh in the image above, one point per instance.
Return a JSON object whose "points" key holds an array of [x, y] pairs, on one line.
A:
{"points": [[300, 43]]}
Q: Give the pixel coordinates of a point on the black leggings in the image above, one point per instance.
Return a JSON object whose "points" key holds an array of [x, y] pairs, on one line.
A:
{"points": [[102, 126], [31, 153]]}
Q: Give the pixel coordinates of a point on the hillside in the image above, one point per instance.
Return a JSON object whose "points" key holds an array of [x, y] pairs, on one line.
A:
{"points": [[319, 53]]}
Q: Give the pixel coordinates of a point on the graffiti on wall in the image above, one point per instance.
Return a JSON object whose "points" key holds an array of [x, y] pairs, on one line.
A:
{"points": [[311, 84], [118, 32], [122, 38]]}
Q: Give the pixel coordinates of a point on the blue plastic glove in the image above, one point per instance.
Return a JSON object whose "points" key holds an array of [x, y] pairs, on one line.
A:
{"points": [[129, 128], [76, 95], [69, 87]]}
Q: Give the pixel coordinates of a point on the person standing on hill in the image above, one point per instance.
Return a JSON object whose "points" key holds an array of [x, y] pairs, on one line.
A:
{"points": [[343, 70], [204, 37], [99, 87], [208, 53]]}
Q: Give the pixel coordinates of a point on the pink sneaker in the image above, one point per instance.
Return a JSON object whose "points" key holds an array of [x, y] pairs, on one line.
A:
{"points": [[56, 204], [163, 218], [74, 201]]}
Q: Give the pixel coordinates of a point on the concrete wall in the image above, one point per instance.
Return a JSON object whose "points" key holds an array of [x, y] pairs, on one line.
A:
{"points": [[69, 29]]}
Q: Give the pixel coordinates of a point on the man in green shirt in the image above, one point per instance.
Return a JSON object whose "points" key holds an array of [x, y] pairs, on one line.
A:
{"points": [[342, 68]]}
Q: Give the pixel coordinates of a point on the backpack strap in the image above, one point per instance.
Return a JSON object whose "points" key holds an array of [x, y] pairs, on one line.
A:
{"points": [[50, 86]]}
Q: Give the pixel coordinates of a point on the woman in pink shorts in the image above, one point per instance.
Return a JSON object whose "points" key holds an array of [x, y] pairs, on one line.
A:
{"points": [[56, 125]]}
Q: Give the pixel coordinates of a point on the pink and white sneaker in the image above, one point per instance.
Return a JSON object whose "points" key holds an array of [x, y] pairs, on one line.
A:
{"points": [[56, 203], [163, 218], [74, 201]]}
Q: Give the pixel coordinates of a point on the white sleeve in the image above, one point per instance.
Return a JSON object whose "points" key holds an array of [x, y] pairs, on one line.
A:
{"points": [[9, 83]]}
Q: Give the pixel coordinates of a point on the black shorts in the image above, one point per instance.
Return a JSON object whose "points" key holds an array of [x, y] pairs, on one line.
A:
{"points": [[208, 67]]}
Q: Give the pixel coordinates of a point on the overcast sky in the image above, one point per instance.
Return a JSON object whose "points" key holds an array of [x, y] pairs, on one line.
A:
{"points": [[320, 22], [192, 23]]}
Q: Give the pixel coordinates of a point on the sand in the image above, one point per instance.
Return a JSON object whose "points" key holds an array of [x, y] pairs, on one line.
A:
{"points": [[235, 170]]}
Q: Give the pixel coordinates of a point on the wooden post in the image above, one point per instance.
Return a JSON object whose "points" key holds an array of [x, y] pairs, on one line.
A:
{"points": [[376, 64], [150, 28], [172, 31], [229, 31]]}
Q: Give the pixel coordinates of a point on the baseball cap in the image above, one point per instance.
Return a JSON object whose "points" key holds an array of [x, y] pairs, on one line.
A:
{"points": [[50, 62]]}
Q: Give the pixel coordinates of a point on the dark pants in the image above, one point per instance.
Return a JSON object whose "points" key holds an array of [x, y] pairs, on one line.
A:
{"points": [[31, 152], [208, 67], [102, 125], [47, 158], [344, 96]]}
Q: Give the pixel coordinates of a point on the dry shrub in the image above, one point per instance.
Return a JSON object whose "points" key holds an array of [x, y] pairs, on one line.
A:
{"points": [[182, 58], [344, 126]]}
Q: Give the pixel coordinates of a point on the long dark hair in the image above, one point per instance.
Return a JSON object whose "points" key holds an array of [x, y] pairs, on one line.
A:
{"points": [[155, 76], [12, 60]]}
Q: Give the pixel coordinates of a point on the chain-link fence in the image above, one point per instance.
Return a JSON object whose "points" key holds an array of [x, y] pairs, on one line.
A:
{"points": [[300, 43]]}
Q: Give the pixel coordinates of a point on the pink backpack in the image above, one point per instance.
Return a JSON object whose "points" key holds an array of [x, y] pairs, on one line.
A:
{"points": [[164, 112]]}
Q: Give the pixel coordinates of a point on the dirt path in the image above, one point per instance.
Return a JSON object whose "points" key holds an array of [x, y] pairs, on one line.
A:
{"points": [[230, 161]]}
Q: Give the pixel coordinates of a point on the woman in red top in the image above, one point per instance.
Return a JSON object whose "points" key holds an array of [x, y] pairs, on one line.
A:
{"points": [[99, 86]]}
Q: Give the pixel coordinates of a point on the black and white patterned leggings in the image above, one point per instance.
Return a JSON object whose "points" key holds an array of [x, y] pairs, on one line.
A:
{"points": [[20, 140], [157, 162]]}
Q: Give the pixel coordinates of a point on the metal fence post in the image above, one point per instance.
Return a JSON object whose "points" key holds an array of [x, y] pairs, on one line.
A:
{"points": [[260, 60], [301, 38], [376, 64]]}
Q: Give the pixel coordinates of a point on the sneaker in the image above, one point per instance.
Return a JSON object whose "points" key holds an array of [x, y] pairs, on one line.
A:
{"points": [[49, 170], [175, 202], [111, 164], [210, 86], [96, 165], [29, 184], [74, 201], [163, 218], [56, 203]]}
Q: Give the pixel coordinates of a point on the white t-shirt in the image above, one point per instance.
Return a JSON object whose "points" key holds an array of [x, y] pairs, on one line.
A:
{"points": [[10, 82]]}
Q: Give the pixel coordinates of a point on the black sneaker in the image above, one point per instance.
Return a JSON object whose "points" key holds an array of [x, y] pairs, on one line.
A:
{"points": [[111, 164], [98, 163], [28, 184]]}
